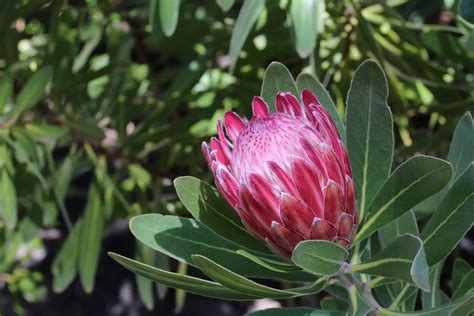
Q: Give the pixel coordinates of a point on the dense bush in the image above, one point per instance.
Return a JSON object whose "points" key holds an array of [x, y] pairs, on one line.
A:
{"points": [[104, 103]]}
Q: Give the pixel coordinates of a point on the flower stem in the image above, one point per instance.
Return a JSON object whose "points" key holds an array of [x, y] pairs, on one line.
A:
{"points": [[350, 282]]}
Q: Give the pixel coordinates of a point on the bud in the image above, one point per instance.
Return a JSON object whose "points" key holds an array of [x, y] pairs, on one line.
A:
{"points": [[287, 174]]}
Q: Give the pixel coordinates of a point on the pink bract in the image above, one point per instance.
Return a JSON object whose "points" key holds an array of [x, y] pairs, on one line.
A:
{"points": [[287, 174]]}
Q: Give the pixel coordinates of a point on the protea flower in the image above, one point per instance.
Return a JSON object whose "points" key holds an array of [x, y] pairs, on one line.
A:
{"points": [[287, 174]]}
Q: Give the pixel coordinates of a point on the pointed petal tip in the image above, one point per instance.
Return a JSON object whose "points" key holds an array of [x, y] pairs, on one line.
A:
{"points": [[234, 124], [259, 107]]}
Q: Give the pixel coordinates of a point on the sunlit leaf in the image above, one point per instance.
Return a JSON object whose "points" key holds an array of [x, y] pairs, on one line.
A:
{"points": [[179, 281], [248, 15]]}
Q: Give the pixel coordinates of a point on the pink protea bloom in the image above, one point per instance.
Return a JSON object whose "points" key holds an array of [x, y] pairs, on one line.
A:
{"points": [[287, 174]]}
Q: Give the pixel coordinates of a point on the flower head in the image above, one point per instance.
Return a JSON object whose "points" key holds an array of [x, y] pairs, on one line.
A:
{"points": [[287, 174]]}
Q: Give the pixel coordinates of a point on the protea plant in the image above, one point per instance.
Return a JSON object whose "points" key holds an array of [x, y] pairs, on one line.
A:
{"points": [[287, 174]]}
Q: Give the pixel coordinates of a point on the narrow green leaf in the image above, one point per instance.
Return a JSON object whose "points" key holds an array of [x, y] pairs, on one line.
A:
{"points": [[180, 294], [162, 262], [412, 182], [403, 259], [277, 78], [405, 300], [33, 89], [405, 224], [248, 15], [241, 284], [154, 18], [85, 128], [460, 269], [181, 237], [225, 4], [169, 14], [8, 201], [64, 267], [369, 132], [6, 89], [358, 306], [307, 22], [90, 240], [466, 11], [179, 281], [446, 309], [145, 255], [466, 286], [320, 257], [205, 204], [295, 311], [333, 304], [461, 151], [452, 219], [45, 133], [269, 264], [83, 56], [237, 282], [307, 81], [433, 298]]}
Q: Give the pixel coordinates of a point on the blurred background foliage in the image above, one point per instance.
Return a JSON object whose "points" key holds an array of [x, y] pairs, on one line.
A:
{"points": [[104, 103]]}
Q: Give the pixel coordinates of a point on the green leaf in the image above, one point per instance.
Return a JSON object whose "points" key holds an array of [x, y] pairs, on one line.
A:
{"points": [[179, 281], [369, 132], [320, 257], [145, 255], [466, 10], [444, 310], [8, 201], [295, 311], [460, 269], [33, 89], [405, 224], [241, 284], [236, 282], [64, 267], [83, 56], [307, 81], [358, 306], [180, 294], [45, 133], [6, 89], [86, 128], [205, 205], [433, 298], [461, 151], [269, 264], [225, 4], [466, 286], [90, 240], [406, 298], [307, 22], [154, 18], [452, 219], [182, 237], [333, 304], [277, 78], [248, 15], [169, 14], [162, 262], [403, 259], [412, 182]]}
